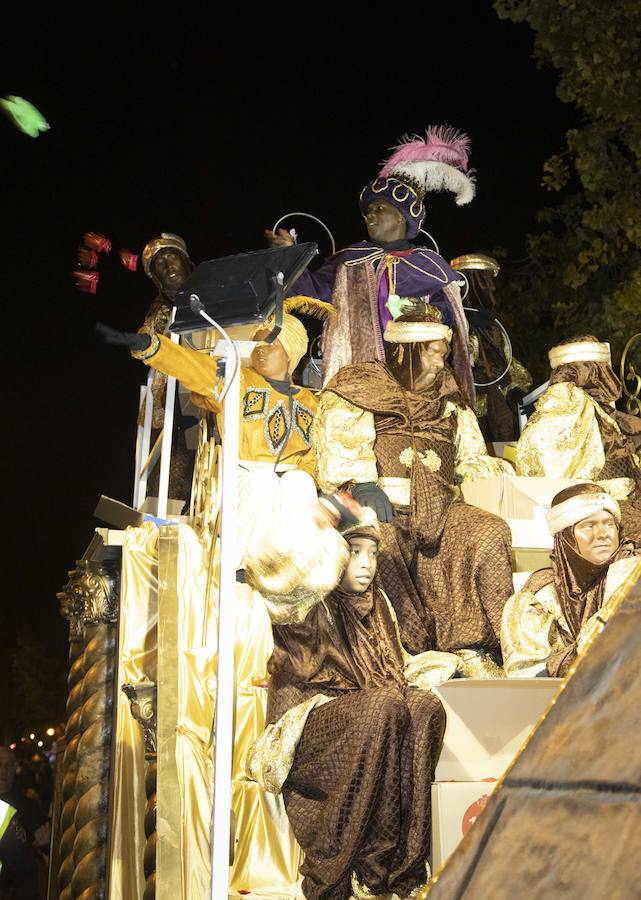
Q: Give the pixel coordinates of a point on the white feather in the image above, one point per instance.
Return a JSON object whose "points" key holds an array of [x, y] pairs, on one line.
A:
{"points": [[438, 176]]}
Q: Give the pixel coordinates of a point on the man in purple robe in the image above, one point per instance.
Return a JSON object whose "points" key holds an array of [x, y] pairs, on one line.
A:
{"points": [[368, 281]]}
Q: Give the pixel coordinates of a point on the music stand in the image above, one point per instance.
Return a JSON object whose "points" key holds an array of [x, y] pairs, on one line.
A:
{"points": [[240, 290]]}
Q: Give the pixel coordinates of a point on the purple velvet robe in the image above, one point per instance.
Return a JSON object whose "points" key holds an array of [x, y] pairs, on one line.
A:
{"points": [[419, 272]]}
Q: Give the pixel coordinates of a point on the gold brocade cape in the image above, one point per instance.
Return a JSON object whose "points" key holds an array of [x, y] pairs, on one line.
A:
{"points": [[579, 586], [534, 629]]}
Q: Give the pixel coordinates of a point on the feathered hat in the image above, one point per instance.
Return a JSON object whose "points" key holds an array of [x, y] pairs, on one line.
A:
{"points": [[418, 165]]}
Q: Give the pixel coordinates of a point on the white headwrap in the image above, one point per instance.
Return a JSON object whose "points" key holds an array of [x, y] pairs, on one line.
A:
{"points": [[580, 507], [580, 351]]}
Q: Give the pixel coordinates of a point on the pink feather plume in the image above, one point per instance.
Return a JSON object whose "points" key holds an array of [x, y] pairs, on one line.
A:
{"points": [[443, 143]]}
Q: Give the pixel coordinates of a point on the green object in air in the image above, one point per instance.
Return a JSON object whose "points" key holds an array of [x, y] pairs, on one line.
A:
{"points": [[395, 304], [26, 117]]}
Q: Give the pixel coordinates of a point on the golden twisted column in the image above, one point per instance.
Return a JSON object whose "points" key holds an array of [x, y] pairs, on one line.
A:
{"points": [[142, 699], [90, 601]]}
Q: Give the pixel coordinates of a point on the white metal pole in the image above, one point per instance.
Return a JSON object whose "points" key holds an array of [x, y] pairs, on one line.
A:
{"points": [[144, 436], [167, 435], [224, 725]]}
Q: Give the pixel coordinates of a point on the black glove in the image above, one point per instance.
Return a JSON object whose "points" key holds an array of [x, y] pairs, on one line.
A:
{"points": [[480, 318], [369, 494], [135, 342], [514, 397]]}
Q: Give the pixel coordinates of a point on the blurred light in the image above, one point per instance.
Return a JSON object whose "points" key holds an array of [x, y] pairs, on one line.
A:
{"points": [[12, 746], [40, 743], [51, 731], [31, 736], [23, 740]]}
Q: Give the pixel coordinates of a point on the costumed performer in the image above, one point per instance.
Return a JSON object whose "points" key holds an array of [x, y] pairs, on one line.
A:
{"points": [[368, 281], [550, 620], [351, 745], [276, 446], [500, 379], [166, 261], [400, 435], [576, 431]]}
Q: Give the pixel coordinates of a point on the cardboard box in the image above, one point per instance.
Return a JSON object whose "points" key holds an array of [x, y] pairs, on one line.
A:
{"points": [[455, 808], [522, 502], [514, 497], [488, 721]]}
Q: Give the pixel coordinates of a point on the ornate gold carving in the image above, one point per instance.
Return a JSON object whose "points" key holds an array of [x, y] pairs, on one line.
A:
{"points": [[142, 699], [629, 376], [90, 597], [89, 601]]}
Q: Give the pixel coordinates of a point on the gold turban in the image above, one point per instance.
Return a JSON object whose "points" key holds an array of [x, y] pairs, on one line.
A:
{"points": [[410, 332], [579, 351], [476, 261], [293, 337], [166, 240]]}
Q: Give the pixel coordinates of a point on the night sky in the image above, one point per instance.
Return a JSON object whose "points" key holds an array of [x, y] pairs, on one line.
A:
{"points": [[210, 127]]}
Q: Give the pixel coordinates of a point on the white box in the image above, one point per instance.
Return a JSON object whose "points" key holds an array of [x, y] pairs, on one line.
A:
{"points": [[455, 808], [488, 721]]}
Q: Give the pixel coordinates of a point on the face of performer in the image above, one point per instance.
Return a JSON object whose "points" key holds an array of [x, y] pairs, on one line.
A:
{"points": [[7, 769], [169, 269], [597, 537], [269, 360], [433, 356], [384, 222], [361, 568]]}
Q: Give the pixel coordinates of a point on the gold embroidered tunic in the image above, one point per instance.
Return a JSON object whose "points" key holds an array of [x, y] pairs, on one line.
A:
{"points": [[271, 427]]}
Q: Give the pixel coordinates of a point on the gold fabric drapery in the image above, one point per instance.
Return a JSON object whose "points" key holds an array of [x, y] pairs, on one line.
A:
{"points": [[267, 857], [136, 663]]}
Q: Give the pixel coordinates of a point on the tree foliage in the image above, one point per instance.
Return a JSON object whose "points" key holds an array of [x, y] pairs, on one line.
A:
{"points": [[39, 683], [585, 258]]}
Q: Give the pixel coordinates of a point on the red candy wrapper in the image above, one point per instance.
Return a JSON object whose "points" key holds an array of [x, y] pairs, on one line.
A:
{"points": [[97, 242], [129, 260], [87, 258], [86, 281]]}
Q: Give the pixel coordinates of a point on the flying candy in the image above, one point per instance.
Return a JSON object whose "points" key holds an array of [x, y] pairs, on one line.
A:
{"points": [[24, 115]]}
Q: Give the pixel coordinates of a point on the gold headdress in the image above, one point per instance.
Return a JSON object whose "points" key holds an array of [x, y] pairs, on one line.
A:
{"points": [[580, 351], [166, 240], [476, 261], [293, 335], [417, 327]]}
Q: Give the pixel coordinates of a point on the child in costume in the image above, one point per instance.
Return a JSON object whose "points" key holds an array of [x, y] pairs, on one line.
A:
{"points": [[351, 745]]}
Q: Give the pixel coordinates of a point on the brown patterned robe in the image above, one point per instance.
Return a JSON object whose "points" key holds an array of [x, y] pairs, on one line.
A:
{"points": [[445, 565], [358, 792]]}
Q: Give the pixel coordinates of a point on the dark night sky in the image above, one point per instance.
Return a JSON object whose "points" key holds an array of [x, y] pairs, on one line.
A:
{"points": [[210, 127]]}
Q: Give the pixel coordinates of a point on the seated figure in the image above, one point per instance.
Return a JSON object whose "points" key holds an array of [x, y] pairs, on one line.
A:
{"points": [[576, 432], [276, 450], [550, 620], [351, 745], [400, 435]]}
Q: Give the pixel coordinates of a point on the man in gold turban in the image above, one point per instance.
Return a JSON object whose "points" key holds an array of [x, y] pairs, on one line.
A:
{"points": [[551, 619]]}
